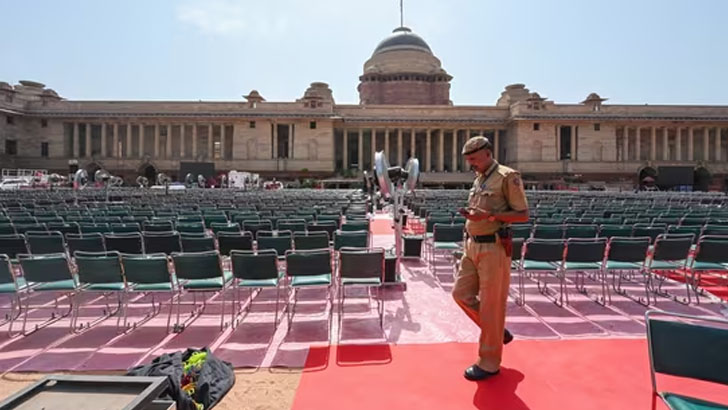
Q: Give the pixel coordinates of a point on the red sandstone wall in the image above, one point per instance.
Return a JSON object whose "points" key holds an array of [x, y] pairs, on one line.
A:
{"points": [[404, 93]]}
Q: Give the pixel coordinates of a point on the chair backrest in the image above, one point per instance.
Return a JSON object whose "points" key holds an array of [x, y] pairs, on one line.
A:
{"points": [[447, 232], [87, 242], [686, 348], [280, 243], [130, 242], [23, 228], [228, 241], [224, 227], [293, 225], [548, 231], [611, 230], [7, 229], [581, 231], [64, 227], [45, 242], [307, 263], [158, 226], [190, 227], [99, 267], [695, 230], [672, 247], [352, 239], [628, 249], [125, 227], [585, 249], [522, 231], [712, 248], [95, 228], [431, 221], [255, 226], [196, 242], [197, 265], [544, 250], [361, 263], [254, 265], [161, 242], [355, 225], [149, 268], [652, 231], [45, 268], [12, 245], [715, 230], [310, 240]]}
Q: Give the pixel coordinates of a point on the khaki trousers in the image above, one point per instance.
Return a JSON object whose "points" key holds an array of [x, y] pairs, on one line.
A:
{"points": [[481, 290]]}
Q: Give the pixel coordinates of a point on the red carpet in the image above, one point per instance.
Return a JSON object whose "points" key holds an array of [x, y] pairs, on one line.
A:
{"points": [[712, 282], [381, 226], [574, 374]]}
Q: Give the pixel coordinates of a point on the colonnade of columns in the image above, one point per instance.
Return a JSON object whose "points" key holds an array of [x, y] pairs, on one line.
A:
{"points": [[456, 137], [672, 137], [159, 149]]}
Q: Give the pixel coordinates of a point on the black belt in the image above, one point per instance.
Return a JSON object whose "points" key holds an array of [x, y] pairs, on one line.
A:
{"points": [[483, 238]]}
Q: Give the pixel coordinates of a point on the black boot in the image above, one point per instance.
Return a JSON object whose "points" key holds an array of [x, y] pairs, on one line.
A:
{"points": [[507, 337]]}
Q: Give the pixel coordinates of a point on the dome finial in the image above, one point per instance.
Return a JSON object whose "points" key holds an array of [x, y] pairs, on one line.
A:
{"points": [[401, 13]]}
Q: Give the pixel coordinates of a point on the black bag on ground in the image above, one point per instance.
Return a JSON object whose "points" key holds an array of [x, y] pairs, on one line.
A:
{"points": [[216, 378]]}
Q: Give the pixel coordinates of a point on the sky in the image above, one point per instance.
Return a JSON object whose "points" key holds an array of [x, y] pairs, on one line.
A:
{"points": [[629, 51]]}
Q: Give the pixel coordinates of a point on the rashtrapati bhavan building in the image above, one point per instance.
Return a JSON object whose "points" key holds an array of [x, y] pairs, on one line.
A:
{"points": [[404, 109]]}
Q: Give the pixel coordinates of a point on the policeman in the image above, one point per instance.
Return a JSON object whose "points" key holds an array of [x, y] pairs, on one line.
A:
{"points": [[496, 200]]}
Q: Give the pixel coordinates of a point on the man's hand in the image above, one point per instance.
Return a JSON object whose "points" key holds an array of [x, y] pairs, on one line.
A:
{"points": [[476, 214]]}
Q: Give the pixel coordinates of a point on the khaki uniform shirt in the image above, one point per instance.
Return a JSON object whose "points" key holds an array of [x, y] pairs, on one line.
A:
{"points": [[498, 190]]}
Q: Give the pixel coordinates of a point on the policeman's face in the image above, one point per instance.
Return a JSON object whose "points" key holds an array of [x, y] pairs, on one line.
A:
{"points": [[479, 160]]}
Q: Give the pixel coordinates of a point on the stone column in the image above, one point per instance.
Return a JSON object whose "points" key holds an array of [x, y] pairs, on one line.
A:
{"points": [[400, 154], [291, 140], [210, 146], [496, 135], [653, 143], [428, 150], [275, 140], [691, 144], [441, 151], [103, 140], [625, 145], [88, 140], [717, 144], [129, 149], [346, 149], [558, 142], [194, 141], [386, 143], [141, 140], [222, 141], [168, 154], [706, 144], [182, 137], [413, 144], [76, 148], [573, 143], [637, 147], [360, 149], [665, 148], [454, 151], [678, 144], [373, 140], [156, 140], [115, 141]]}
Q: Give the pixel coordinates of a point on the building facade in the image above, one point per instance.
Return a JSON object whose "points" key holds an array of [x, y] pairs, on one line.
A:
{"points": [[404, 109]]}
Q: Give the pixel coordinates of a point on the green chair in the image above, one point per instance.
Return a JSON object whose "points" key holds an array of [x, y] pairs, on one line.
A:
{"points": [[200, 272], [101, 272], [90, 242], [161, 242], [690, 347], [281, 241], [190, 227], [446, 238], [13, 245], [149, 274], [359, 267], [48, 274], [157, 226], [229, 241], [626, 256], [711, 255], [671, 252], [350, 239], [580, 231], [582, 257], [293, 225], [308, 269], [125, 227], [217, 227], [13, 286], [612, 230], [256, 270], [548, 231], [541, 257], [130, 242]]}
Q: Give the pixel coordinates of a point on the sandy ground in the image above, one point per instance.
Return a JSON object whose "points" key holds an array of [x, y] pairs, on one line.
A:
{"points": [[263, 389]]}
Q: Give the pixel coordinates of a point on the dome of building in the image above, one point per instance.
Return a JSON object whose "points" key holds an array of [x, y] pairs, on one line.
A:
{"points": [[404, 70], [402, 38]]}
